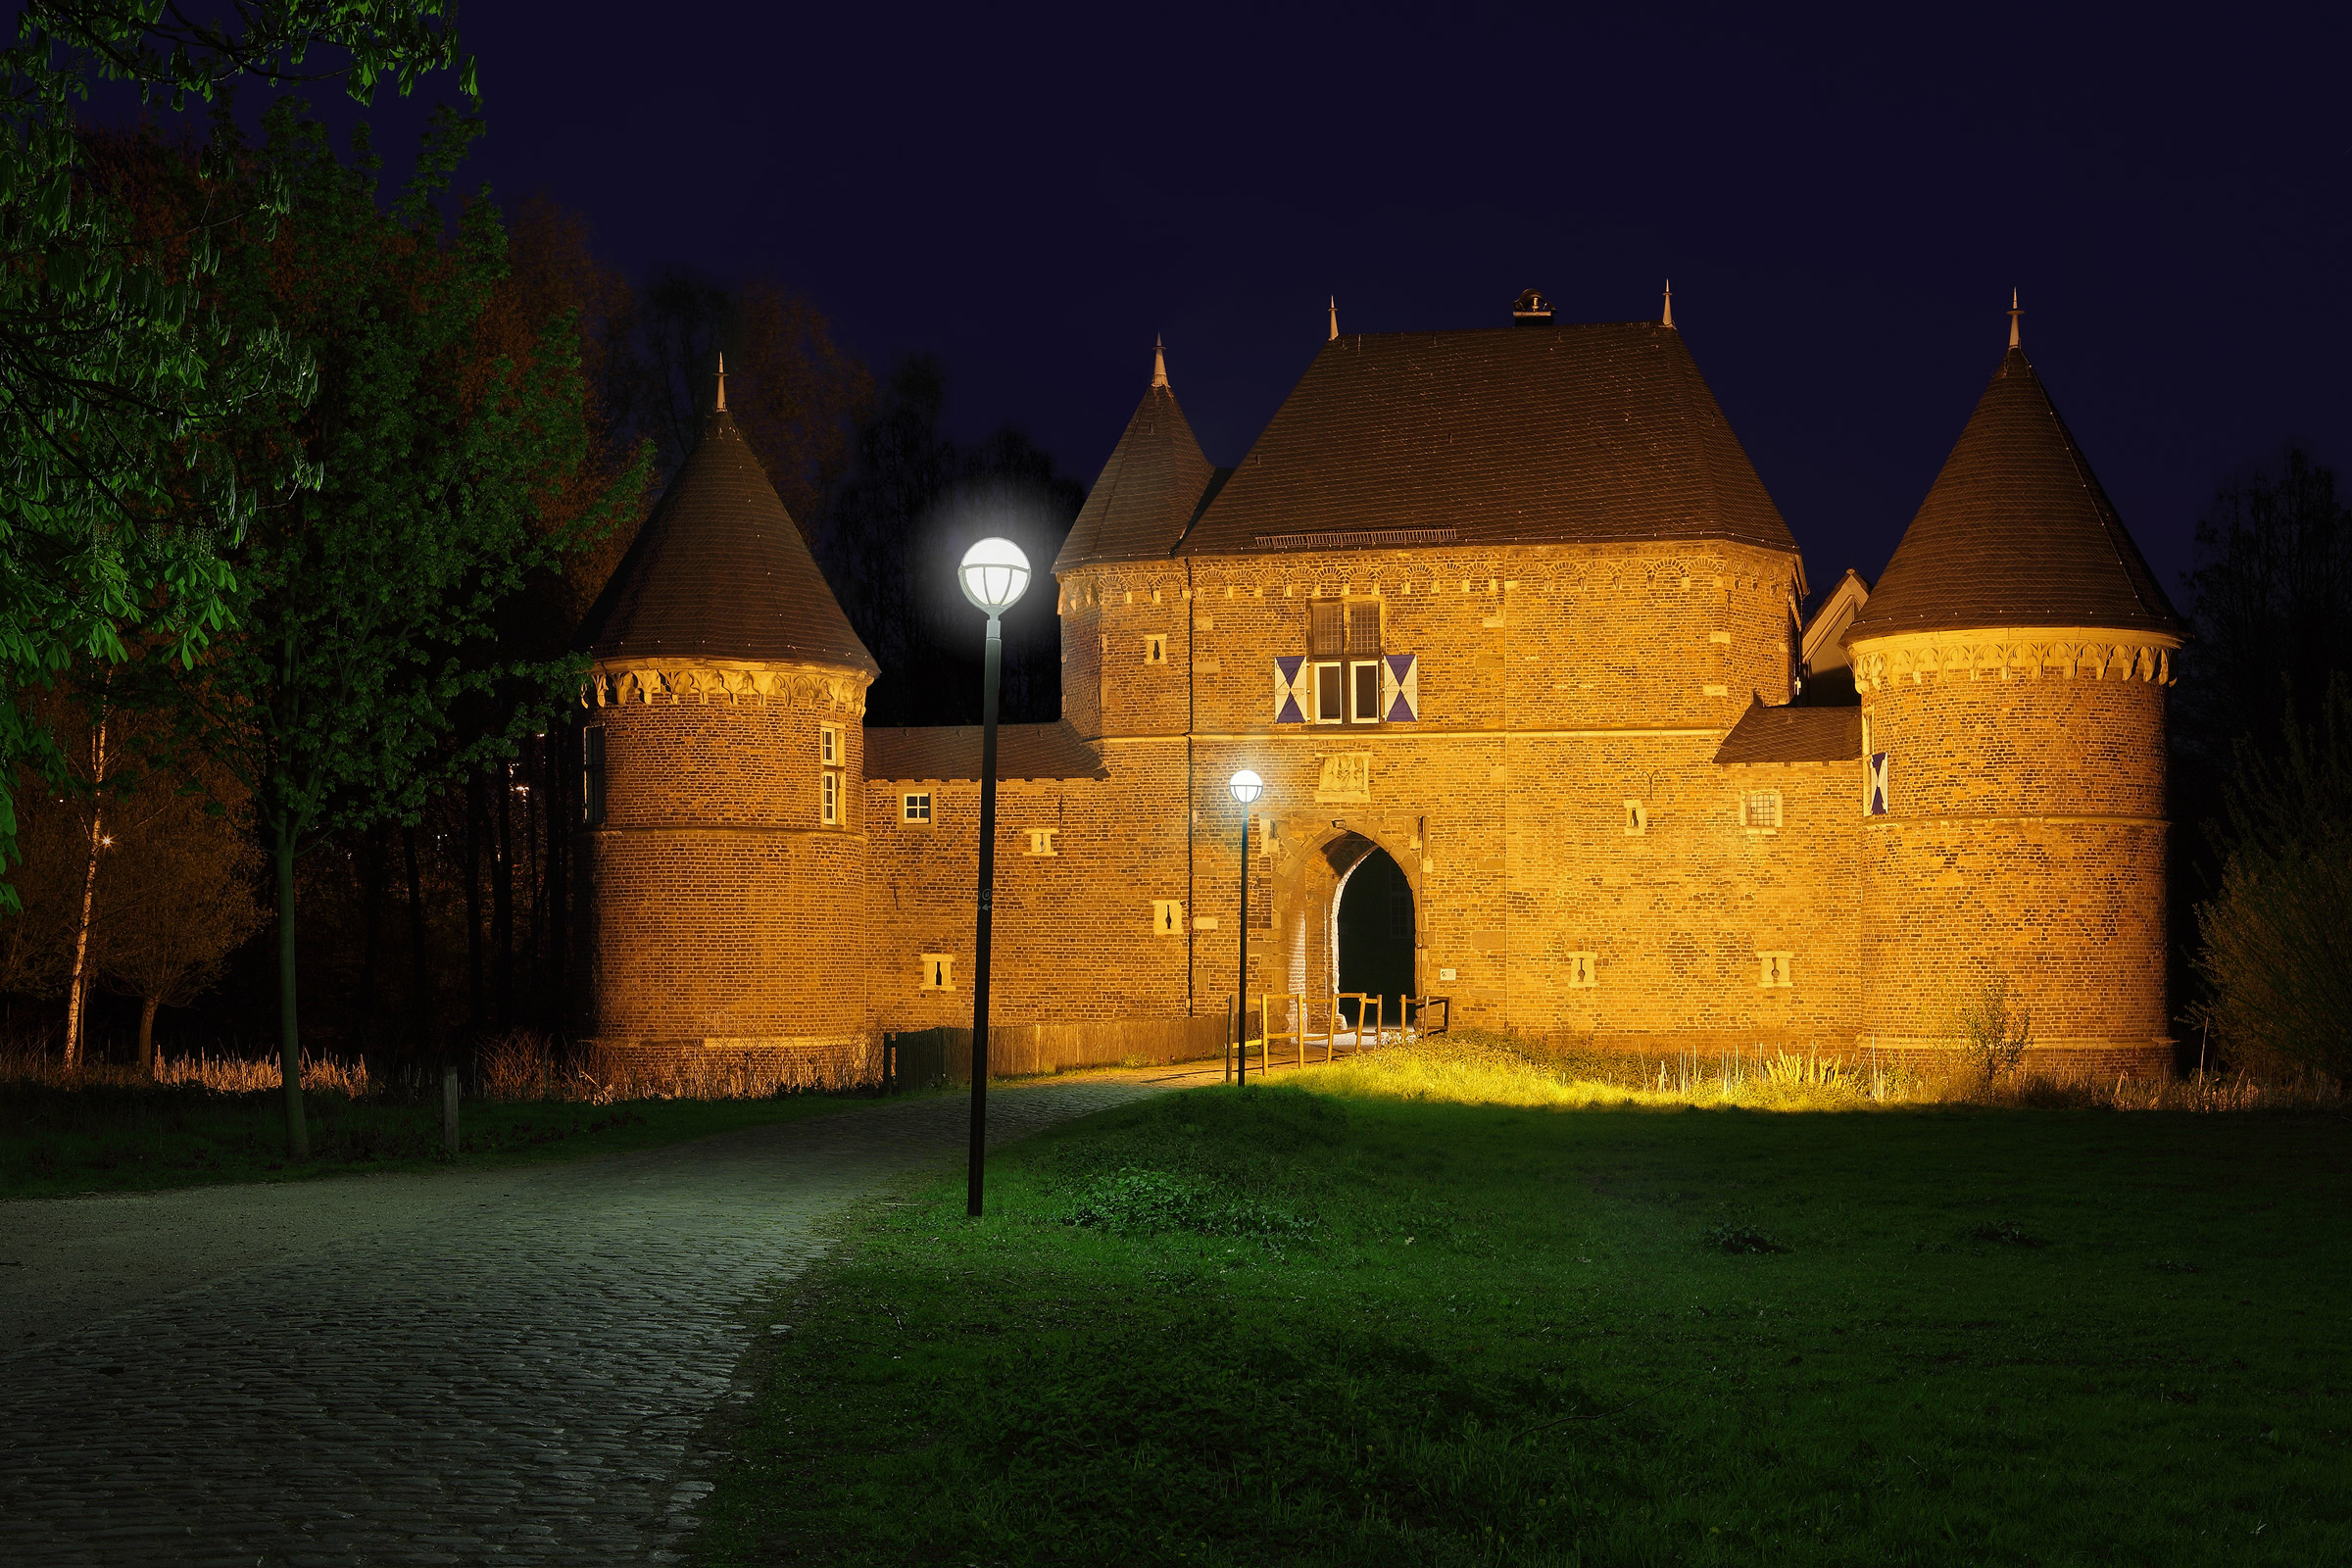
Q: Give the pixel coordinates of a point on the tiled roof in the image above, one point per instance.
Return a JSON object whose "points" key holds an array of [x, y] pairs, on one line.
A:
{"points": [[1793, 735], [1523, 434], [1148, 491], [2016, 532], [720, 571], [952, 752]]}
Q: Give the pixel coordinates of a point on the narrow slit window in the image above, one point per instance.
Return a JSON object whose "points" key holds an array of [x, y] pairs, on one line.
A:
{"points": [[828, 744], [592, 776], [938, 972], [1636, 819], [1583, 970], [1156, 648]]}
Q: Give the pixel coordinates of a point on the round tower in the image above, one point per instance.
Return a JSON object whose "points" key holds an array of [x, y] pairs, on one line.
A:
{"points": [[2012, 666], [723, 772]]}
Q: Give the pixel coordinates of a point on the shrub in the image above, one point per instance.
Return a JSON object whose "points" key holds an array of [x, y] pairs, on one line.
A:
{"points": [[1995, 1029]]}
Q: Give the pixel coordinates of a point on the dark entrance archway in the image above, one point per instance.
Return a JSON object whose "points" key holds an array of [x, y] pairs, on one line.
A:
{"points": [[1374, 927]]}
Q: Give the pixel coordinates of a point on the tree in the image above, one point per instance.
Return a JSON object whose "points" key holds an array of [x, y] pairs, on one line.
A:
{"points": [[796, 396], [363, 613], [911, 502], [114, 374], [2270, 601], [2277, 954], [178, 895]]}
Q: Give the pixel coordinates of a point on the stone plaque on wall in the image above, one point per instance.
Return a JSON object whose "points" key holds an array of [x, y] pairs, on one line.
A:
{"points": [[1346, 779]]}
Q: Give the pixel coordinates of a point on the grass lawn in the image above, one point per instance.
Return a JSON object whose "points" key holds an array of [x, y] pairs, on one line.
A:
{"points": [[55, 1142], [1318, 1323]]}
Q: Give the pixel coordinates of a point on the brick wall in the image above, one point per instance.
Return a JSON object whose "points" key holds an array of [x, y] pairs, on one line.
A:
{"points": [[2026, 841]]}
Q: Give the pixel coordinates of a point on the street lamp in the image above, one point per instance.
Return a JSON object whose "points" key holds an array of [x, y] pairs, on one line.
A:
{"points": [[993, 576], [1247, 787]]}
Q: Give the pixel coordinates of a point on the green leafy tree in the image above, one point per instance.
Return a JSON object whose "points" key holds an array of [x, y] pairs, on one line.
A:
{"points": [[363, 617], [114, 375]]}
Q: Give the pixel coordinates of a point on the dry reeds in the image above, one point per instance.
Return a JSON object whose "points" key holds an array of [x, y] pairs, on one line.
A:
{"points": [[1492, 1069]]}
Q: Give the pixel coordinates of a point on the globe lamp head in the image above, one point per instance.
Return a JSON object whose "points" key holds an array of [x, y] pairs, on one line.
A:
{"points": [[994, 575], [1247, 786]]}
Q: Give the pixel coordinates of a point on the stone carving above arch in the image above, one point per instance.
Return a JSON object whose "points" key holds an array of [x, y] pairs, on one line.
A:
{"points": [[813, 687], [2015, 653]]}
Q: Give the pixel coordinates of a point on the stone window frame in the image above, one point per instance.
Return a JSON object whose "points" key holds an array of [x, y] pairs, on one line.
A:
{"points": [[1346, 637], [1167, 918], [1750, 815], [828, 802], [1583, 970], [1155, 648], [936, 972], [830, 747], [1775, 970], [1041, 843], [1636, 818], [910, 804]]}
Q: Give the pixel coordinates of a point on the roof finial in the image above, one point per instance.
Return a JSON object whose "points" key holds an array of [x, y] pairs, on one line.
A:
{"points": [[1669, 322], [722, 383], [2014, 313], [1335, 318], [1159, 362]]}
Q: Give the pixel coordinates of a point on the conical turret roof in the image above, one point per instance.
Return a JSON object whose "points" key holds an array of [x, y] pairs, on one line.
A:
{"points": [[2016, 532], [720, 570], [1149, 490]]}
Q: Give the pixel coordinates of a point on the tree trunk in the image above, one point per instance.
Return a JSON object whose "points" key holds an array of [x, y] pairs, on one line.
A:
{"points": [[78, 993], [477, 1003], [535, 879], [562, 814], [147, 1007], [420, 975], [289, 1034], [502, 898], [371, 898]]}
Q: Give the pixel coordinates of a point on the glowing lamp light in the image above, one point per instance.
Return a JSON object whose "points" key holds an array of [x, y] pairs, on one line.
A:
{"points": [[1245, 786], [994, 575]]}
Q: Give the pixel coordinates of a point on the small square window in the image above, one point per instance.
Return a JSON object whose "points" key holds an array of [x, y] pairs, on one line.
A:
{"points": [[1760, 811], [938, 973], [915, 807], [1773, 970], [828, 744], [1041, 841], [1636, 819], [1156, 648], [1583, 970], [1167, 918]]}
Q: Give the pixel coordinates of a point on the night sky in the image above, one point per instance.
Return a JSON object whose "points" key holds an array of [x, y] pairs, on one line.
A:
{"points": [[1842, 210]]}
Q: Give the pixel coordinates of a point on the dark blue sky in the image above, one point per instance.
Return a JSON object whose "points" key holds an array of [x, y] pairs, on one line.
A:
{"points": [[1843, 206]]}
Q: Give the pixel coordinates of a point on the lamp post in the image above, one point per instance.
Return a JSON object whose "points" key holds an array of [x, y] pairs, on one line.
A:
{"points": [[993, 576], [1247, 787]]}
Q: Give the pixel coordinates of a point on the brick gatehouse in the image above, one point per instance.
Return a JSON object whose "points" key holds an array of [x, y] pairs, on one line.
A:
{"points": [[1515, 635]]}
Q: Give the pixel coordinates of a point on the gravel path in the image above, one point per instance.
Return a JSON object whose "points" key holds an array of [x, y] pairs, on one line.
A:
{"points": [[450, 1368]]}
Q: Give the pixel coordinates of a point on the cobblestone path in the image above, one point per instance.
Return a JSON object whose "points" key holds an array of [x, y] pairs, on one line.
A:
{"points": [[510, 1371]]}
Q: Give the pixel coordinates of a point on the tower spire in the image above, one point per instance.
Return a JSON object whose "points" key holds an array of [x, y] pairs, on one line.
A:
{"points": [[1159, 361], [1668, 323], [722, 383], [2014, 313], [1335, 318]]}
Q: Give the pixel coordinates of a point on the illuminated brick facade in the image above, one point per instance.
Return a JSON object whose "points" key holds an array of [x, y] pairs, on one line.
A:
{"points": [[1512, 607]]}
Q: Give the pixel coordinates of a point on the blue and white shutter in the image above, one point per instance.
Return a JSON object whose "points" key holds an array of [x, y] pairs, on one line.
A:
{"points": [[1875, 798], [1289, 689], [1400, 688]]}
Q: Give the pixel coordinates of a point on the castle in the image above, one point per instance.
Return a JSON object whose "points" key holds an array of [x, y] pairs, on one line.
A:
{"points": [[1515, 635]]}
